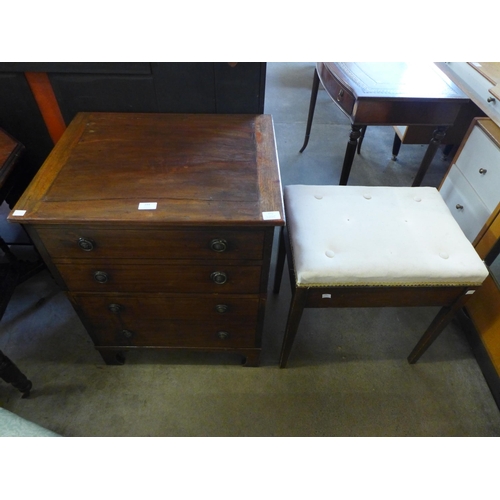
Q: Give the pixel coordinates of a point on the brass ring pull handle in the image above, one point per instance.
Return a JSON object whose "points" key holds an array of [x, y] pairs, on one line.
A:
{"points": [[221, 308], [86, 244], [101, 277], [218, 245], [482, 171], [218, 277], [459, 207], [223, 335], [115, 308]]}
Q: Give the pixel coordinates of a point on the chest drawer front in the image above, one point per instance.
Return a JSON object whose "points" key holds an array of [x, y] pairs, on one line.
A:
{"points": [[479, 161], [167, 320], [162, 276], [457, 192], [73, 242]]}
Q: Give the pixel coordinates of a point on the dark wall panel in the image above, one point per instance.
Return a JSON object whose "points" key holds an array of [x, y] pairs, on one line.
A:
{"points": [[76, 93], [184, 87]]}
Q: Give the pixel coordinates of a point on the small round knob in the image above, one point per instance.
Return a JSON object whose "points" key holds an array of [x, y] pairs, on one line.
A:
{"points": [[221, 308], [223, 335], [218, 245], [101, 276], [459, 207], [218, 277], [490, 99], [115, 308], [482, 171], [127, 334], [86, 244]]}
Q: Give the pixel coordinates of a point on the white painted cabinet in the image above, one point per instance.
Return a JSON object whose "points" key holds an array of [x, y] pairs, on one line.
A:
{"points": [[471, 188]]}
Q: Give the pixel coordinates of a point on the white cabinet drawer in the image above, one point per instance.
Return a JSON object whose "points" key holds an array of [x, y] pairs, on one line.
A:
{"points": [[456, 191], [476, 86], [479, 161]]}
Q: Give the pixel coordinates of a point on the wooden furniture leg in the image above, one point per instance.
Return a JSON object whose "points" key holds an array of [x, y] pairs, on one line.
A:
{"points": [[11, 374], [396, 146], [349, 153], [437, 137], [439, 323], [312, 105], [363, 131], [294, 315]]}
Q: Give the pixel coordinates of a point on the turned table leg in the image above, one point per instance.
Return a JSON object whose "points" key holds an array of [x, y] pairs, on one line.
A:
{"points": [[437, 137], [350, 153]]}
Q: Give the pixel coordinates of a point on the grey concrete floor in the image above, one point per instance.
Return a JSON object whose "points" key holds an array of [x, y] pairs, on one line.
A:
{"points": [[347, 374]]}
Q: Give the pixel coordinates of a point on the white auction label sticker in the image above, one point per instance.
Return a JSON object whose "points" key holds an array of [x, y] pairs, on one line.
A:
{"points": [[148, 205], [271, 215], [18, 213]]}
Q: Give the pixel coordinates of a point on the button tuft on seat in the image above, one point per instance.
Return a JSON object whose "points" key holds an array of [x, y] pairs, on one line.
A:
{"points": [[330, 253]]}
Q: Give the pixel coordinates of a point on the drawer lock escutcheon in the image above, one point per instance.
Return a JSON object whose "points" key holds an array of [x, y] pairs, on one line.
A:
{"points": [[218, 245], [86, 244], [101, 277], [219, 277], [223, 335]]}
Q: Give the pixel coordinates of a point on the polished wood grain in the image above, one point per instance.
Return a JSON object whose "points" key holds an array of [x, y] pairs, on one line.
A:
{"points": [[200, 169]]}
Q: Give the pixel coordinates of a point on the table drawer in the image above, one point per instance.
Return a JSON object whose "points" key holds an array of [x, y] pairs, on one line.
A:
{"points": [[81, 242], [341, 94], [457, 192], [169, 321], [160, 276], [479, 161]]}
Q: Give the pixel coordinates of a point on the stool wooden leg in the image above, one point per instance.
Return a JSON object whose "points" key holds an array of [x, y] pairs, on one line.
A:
{"points": [[294, 314], [439, 323], [312, 105], [280, 262]]}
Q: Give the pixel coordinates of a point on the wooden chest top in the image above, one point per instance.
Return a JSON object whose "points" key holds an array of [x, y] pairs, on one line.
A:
{"points": [[148, 168]]}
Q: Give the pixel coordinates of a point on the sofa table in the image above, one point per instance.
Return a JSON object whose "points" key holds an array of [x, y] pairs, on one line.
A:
{"points": [[388, 94], [160, 228]]}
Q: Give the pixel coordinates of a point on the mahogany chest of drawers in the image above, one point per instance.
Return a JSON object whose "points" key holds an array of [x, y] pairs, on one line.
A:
{"points": [[160, 228]]}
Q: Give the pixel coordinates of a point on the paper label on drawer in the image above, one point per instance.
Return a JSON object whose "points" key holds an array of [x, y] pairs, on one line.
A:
{"points": [[326, 296], [271, 215], [18, 213], [148, 206]]}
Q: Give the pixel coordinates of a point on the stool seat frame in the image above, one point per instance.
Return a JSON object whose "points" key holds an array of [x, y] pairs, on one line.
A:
{"points": [[450, 298]]}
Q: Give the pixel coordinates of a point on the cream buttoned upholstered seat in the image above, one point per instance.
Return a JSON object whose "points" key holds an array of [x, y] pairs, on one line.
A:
{"points": [[356, 246]]}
